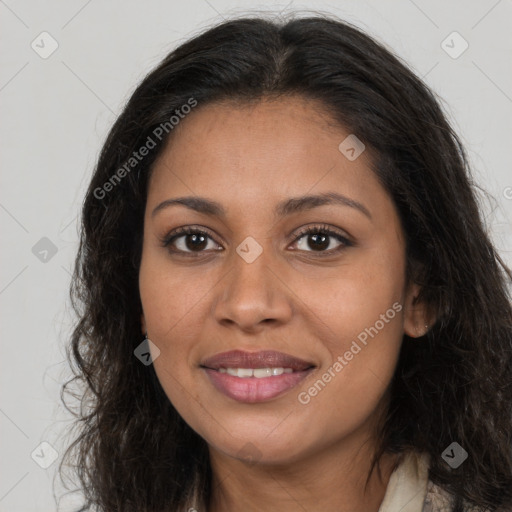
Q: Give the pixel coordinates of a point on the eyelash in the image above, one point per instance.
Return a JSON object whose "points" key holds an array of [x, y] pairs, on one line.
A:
{"points": [[311, 230]]}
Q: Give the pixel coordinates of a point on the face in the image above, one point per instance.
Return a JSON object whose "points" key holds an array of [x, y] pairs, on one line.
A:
{"points": [[320, 314]]}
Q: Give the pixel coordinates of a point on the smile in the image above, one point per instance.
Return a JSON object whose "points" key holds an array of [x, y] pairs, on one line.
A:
{"points": [[252, 377]]}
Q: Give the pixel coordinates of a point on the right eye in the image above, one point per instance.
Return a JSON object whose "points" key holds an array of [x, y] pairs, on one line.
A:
{"points": [[188, 240]]}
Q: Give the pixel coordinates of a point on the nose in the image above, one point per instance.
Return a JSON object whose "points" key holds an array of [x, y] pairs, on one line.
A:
{"points": [[253, 295]]}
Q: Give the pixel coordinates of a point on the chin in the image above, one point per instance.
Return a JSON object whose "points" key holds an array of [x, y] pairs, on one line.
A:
{"points": [[255, 446]]}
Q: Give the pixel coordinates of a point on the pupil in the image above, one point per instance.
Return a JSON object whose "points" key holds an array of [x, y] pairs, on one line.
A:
{"points": [[194, 245], [324, 243]]}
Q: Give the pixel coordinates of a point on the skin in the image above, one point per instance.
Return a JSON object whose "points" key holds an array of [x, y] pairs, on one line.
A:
{"points": [[290, 299]]}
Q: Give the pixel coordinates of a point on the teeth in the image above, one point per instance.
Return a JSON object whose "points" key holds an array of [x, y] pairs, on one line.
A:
{"points": [[262, 372], [259, 373]]}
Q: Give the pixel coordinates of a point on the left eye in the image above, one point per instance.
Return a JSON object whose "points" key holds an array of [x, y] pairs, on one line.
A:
{"points": [[321, 240]]}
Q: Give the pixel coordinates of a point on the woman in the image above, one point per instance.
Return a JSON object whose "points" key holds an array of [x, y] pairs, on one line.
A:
{"points": [[287, 298]]}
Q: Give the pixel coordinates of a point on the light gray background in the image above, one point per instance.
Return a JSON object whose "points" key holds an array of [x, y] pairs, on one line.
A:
{"points": [[56, 112]]}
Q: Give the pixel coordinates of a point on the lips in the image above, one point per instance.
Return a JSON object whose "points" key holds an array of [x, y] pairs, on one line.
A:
{"points": [[252, 377], [254, 360]]}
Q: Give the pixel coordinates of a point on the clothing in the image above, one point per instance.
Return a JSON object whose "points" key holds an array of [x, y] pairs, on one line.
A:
{"points": [[410, 490]]}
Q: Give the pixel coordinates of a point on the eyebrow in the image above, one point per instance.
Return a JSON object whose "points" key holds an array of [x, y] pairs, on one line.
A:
{"points": [[284, 208]]}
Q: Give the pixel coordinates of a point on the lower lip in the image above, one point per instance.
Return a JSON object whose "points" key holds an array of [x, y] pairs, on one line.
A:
{"points": [[252, 389]]}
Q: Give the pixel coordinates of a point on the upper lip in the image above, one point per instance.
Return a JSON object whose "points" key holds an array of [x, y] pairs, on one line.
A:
{"points": [[261, 359]]}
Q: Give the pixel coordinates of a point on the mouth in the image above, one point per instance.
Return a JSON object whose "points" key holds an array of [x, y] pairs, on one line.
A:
{"points": [[252, 377]]}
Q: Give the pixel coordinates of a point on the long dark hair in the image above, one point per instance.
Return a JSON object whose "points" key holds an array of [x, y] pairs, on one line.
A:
{"points": [[133, 451]]}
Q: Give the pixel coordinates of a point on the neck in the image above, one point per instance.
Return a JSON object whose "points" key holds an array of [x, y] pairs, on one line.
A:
{"points": [[332, 480]]}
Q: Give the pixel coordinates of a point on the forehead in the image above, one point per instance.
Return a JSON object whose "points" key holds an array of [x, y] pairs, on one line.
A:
{"points": [[248, 153]]}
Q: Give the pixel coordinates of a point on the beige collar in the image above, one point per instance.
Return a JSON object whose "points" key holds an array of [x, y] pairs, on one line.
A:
{"points": [[407, 486]]}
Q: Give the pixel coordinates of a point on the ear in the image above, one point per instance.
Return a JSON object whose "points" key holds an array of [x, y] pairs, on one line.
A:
{"points": [[416, 321]]}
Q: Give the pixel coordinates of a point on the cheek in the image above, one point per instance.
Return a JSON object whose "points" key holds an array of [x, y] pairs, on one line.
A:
{"points": [[349, 388], [171, 299], [353, 297], [170, 311], [174, 302], [361, 326]]}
